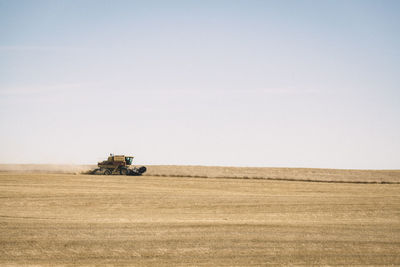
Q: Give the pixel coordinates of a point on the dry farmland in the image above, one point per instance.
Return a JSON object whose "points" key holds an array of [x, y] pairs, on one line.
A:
{"points": [[67, 219]]}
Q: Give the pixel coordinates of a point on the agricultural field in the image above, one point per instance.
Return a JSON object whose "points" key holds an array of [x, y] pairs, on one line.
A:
{"points": [[268, 173], [208, 217]]}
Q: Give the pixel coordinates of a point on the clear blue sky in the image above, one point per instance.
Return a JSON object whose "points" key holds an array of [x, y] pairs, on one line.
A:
{"points": [[238, 83]]}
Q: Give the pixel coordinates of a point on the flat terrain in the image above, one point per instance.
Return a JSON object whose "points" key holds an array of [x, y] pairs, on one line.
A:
{"points": [[61, 219], [267, 173], [295, 174]]}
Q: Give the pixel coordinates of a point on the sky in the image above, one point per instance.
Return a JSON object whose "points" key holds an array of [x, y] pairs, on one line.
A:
{"points": [[224, 83]]}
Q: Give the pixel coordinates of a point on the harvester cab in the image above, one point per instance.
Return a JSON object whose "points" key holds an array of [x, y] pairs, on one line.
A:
{"points": [[118, 164], [128, 160]]}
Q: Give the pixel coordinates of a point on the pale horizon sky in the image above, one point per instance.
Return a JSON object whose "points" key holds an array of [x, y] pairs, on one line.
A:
{"points": [[228, 83]]}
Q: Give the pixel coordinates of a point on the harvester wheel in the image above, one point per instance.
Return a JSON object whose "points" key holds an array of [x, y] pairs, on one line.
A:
{"points": [[123, 171], [107, 172]]}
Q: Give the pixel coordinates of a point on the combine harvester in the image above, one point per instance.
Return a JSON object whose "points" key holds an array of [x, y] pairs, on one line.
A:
{"points": [[119, 165]]}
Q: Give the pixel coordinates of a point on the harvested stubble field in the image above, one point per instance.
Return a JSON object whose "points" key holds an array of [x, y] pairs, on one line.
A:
{"points": [[61, 219], [279, 174]]}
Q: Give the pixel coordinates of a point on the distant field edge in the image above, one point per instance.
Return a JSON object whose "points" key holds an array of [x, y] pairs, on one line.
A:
{"points": [[316, 175]]}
